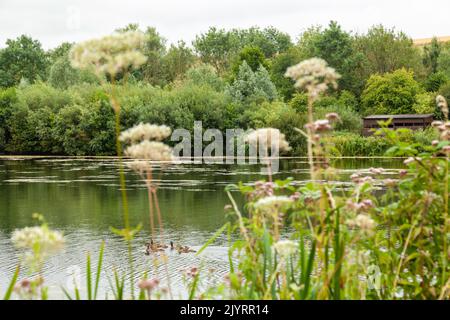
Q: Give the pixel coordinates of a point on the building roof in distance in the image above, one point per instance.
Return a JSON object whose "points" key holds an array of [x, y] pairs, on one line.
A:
{"points": [[398, 116]]}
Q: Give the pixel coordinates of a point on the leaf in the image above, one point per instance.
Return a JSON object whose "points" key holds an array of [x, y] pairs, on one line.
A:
{"points": [[12, 284], [99, 268], [213, 238]]}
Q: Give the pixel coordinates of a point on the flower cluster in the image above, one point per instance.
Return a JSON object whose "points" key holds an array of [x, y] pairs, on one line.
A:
{"points": [[150, 150], [273, 203], [146, 145], [364, 205], [265, 136], [47, 240], [442, 126], [191, 272], [148, 284], [363, 222], [285, 248], [443, 105], [110, 55], [145, 131], [262, 189], [39, 243], [27, 288], [314, 75], [358, 179]]}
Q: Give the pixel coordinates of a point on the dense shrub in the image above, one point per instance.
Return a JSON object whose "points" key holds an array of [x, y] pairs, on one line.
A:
{"points": [[282, 116], [425, 103], [41, 95], [344, 105], [204, 103], [205, 74], [350, 120], [7, 98], [391, 93], [435, 81], [351, 144]]}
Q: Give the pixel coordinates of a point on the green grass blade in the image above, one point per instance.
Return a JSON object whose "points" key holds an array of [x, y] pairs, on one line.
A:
{"points": [[68, 296], [213, 238], [77, 294], [307, 276], [99, 268], [12, 284], [194, 286], [88, 276]]}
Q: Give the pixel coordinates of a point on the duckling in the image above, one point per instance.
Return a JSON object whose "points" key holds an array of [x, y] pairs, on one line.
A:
{"points": [[184, 249], [152, 247]]}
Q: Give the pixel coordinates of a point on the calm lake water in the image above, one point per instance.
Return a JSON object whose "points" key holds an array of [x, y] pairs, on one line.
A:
{"points": [[81, 198]]}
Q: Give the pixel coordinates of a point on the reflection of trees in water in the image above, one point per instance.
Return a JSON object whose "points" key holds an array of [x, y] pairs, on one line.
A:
{"points": [[80, 193]]}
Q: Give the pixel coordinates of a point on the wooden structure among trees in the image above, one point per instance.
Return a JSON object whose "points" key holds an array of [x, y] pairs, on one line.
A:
{"points": [[409, 121]]}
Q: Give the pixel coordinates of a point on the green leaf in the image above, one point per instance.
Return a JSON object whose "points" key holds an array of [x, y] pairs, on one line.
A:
{"points": [[12, 284]]}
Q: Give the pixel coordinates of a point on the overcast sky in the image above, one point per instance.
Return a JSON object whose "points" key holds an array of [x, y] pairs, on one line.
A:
{"points": [[55, 21]]}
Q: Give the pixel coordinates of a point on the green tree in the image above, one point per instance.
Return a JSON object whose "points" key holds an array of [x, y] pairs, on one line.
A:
{"points": [[22, 58], [155, 49], [391, 93], [62, 75], [253, 56], [250, 86], [431, 55], [336, 47], [60, 51], [386, 50], [177, 61], [270, 40], [219, 47], [216, 47], [444, 59], [279, 64]]}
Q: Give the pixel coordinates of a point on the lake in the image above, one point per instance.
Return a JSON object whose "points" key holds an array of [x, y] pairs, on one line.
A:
{"points": [[81, 198]]}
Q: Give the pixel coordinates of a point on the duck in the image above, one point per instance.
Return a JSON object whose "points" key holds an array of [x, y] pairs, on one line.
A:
{"points": [[181, 249], [152, 247]]}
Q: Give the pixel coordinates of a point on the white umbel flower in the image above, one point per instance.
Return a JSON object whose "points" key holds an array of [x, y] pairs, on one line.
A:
{"points": [[111, 54], [145, 131], [48, 241], [286, 248], [273, 203], [265, 136], [314, 75], [443, 105], [365, 223], [150, 150]]}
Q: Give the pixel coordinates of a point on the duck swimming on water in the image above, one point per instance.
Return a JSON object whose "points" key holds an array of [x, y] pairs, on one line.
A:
{"points": [[180, 249], [152, 247]]}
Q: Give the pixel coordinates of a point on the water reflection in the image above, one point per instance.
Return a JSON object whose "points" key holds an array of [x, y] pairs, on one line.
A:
{"points": [[81, 198]]}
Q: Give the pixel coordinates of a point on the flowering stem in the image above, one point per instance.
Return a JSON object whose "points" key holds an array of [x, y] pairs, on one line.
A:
{"points": [[310, 137], [126, 219]]}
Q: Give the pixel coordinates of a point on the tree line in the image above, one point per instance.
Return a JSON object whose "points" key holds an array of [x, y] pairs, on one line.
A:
{"points": [[226, 78]]}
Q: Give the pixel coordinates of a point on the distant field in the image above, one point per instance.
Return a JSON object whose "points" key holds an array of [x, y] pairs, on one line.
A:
{"points": [[425, 41]]}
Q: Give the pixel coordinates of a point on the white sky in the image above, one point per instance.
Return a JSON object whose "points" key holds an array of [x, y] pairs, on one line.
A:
{"points": [[55, 21]]}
